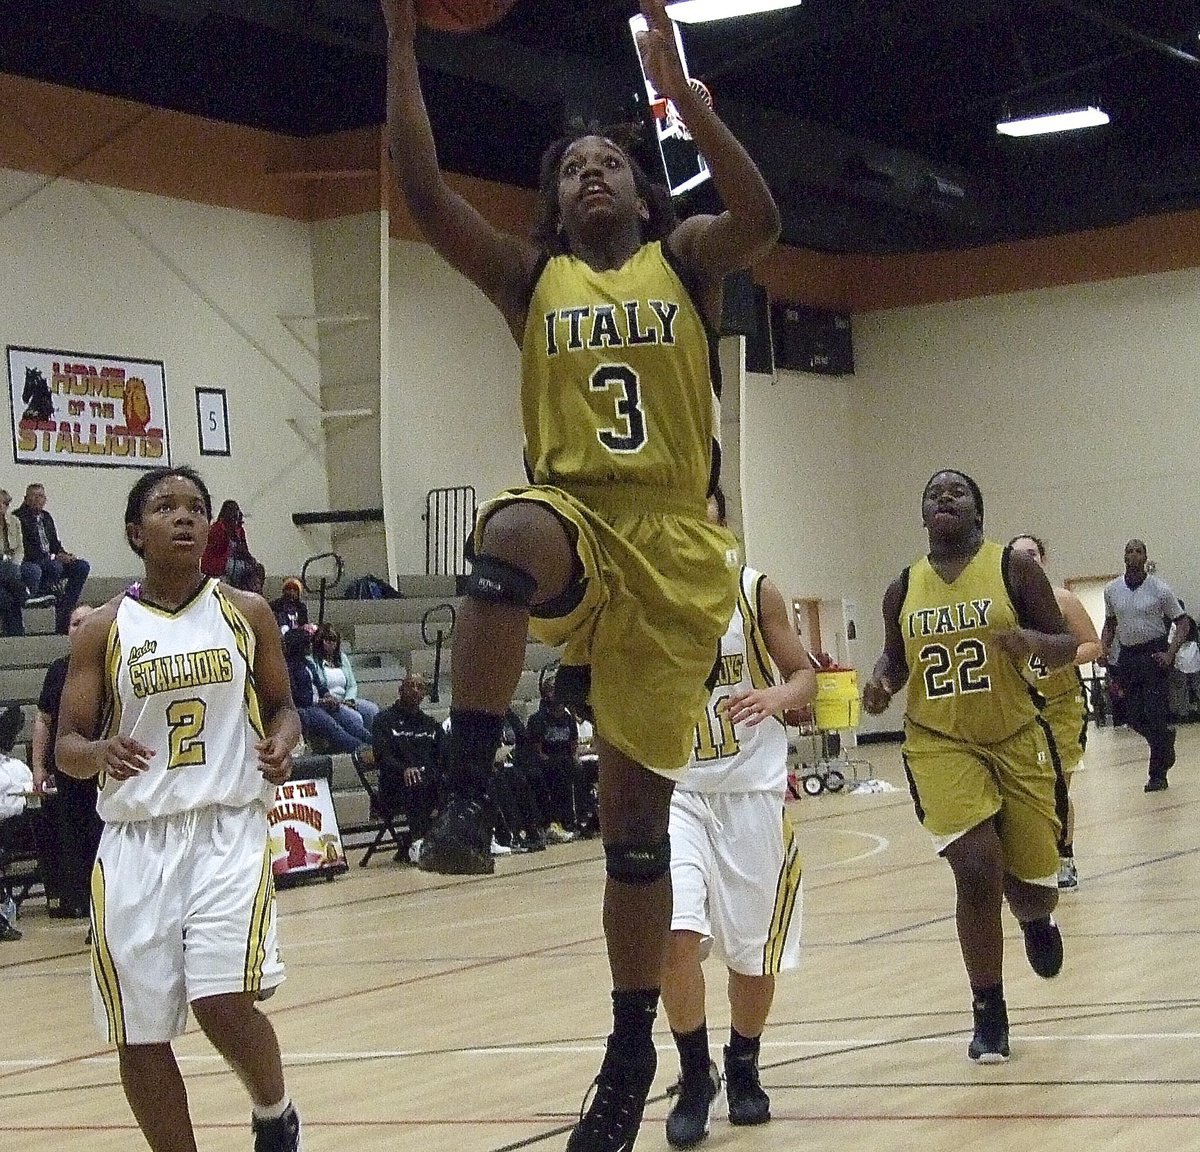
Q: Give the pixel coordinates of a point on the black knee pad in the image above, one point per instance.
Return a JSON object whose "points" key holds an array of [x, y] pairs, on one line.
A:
{"points": [[499, 582], [638, 863]]}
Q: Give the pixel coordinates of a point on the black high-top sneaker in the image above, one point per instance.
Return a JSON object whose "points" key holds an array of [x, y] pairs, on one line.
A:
{"points": [[989, 1045], [460, 841], [748, 1103], [280, 1135], [695, 1105], [611, 1120]]}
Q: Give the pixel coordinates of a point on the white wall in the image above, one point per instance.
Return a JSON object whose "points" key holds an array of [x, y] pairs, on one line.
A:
{"points": [[799, 484], [451, 413], [99, 270], [348, 255]]}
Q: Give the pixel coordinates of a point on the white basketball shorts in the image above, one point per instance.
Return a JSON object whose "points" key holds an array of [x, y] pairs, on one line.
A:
{"points": [[736, 877], [183, 907]]}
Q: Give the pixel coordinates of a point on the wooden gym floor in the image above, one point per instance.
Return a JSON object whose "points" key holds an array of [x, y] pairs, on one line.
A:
{"points": [[468, 1015]]}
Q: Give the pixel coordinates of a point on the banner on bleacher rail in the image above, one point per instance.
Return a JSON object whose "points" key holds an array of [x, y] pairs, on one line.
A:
{"points": [[83, 409], [305, 840]]}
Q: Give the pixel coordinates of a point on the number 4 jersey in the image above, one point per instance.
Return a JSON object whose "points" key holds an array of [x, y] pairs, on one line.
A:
{"points": [[620, 378], [182, 683], [960, 683]]}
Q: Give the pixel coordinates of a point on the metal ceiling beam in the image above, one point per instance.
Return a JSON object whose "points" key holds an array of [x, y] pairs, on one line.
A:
{"points": [[1120, 28]]}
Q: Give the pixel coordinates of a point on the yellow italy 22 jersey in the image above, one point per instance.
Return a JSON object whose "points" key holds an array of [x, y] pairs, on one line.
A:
{"points": [[960, 684], [182, 683], [620, 378]]}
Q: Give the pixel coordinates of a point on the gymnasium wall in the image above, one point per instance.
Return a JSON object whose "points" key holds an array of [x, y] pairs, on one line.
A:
{"points": [[452, 411], [98, 269]]}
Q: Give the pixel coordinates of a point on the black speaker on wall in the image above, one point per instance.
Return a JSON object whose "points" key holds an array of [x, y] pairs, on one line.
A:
{"points": [[811, 340], [746, 311]]}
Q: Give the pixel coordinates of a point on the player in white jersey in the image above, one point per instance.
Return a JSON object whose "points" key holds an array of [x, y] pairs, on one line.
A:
{"points": [[735, 864], [177, 697]]}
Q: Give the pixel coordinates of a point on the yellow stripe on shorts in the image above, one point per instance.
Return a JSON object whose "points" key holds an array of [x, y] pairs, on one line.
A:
{"points": [[787, 894], [103, 968], [260, 920]]}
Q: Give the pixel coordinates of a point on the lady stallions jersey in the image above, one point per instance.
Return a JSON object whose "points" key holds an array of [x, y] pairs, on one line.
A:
{"points": [[182, 683], [620, 380], [741, 757], [960, 684]]}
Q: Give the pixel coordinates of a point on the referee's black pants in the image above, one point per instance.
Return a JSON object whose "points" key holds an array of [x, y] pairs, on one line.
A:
{"points": [[1145, 688]]}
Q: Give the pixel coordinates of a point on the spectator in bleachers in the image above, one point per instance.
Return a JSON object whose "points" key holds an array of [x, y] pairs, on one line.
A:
{"points": [[408, 749], [318, 722], [334, 666], [16, 781], [31, 574], [554, 744], [519, 790], [59, 571], [14, 586], [227, 554], [73, 824], [290, 610]]}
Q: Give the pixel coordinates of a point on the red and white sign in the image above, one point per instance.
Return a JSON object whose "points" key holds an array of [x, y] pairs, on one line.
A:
{"points": [[78, 408], [305, 840]]}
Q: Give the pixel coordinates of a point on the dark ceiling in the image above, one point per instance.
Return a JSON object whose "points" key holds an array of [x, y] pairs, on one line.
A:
{"points": [[874, 120]]}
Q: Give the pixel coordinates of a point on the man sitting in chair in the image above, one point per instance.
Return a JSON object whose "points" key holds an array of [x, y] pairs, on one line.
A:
{"points": [[407, 743]]}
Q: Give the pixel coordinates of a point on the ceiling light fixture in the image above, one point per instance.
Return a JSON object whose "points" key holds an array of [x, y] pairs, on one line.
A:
{"points": [[700, 11], [1089, 117]]}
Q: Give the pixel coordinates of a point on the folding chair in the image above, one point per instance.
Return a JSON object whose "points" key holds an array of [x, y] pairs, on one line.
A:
{"points": [[386, 825]]}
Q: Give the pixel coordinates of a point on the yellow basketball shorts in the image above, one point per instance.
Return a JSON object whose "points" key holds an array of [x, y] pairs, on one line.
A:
{"points": [[658, 591], [1018, 782], [1067, 716]]}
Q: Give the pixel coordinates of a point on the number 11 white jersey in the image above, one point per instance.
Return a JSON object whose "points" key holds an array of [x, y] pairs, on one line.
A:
{"points": [[182, 683], [741, 757]]}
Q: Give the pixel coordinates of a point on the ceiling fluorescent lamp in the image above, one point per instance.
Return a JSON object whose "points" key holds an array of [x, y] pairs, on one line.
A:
{"points": [[1089, 117], [701, 11]]}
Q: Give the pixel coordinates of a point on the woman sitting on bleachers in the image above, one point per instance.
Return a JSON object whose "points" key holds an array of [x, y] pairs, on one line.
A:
{"points": [[333, 665], [320, 724]]}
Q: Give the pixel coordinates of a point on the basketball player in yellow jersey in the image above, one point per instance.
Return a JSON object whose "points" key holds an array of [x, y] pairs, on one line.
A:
{"points": [[1062, 700], [980, 761], [177, 697], [614, 305]]}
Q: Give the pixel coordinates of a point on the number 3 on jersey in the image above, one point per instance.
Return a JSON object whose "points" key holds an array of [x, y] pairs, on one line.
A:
{"points": [[630, 433]]}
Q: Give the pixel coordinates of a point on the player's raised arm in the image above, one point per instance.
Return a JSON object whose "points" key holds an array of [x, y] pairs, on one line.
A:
{"points": [[713, 245], [497, 262]]}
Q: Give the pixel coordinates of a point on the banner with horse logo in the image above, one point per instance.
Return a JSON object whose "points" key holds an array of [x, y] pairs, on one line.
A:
{"points": [[79, 408]]}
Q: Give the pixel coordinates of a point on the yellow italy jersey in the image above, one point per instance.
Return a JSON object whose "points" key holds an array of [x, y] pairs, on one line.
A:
{"points": [[960, 684], [1051, 683], [620, 379]]}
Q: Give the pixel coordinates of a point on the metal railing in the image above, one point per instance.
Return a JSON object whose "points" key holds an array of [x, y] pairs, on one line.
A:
{"points": [[449, 520]]}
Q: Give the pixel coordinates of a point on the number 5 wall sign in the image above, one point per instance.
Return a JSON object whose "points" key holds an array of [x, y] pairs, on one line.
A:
{"points": [[212, 419]]}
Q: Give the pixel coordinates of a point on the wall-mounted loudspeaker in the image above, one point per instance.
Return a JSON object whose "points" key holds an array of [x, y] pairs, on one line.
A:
{"points": [[811, 340]]}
